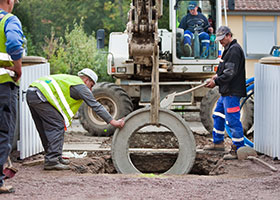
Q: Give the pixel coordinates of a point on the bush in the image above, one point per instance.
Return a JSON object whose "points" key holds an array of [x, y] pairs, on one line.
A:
{"points": [[75, 52], [31, 49]]}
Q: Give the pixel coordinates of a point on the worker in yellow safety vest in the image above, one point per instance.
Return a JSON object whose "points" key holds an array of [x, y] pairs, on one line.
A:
{"points": [[11, 51], [53, 102]]}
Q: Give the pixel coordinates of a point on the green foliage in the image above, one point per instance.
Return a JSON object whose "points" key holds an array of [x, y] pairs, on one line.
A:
{"points": [[163, 22], [69, 47], [75, 52], [30, 46], [41, 16]]}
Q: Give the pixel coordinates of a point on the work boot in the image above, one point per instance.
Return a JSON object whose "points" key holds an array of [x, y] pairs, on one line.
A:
{"points": [[57, 166], [187, 50], [215, 147], [64, 161], [6, 189], [232, 155]]}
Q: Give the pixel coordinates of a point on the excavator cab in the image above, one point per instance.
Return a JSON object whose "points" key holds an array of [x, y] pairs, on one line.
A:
{"points": [[195, 36]]}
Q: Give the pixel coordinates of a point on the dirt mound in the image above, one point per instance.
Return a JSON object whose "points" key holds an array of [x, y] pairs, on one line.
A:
{"points": [[94, 165]]}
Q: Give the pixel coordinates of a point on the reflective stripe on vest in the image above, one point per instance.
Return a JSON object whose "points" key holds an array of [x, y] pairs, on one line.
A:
{"points": [[3, 40], [4, 76], [56, 89]]}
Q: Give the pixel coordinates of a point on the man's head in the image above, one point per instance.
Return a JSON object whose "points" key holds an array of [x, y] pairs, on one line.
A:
{"points": [[224, 35], [89, 77], [8, 5], [193, 8]]}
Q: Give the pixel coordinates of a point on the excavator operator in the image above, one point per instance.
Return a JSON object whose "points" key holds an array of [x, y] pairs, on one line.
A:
{"points": [[195, 21]]}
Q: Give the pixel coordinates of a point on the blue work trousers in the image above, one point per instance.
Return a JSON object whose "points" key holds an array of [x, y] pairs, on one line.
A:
{"points": [[204, 39], [8, 109], [228, 111]]}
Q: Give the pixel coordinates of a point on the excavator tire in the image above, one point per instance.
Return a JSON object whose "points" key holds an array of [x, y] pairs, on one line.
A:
{"points": [[208, 105], [114, 99], [141, 118]]}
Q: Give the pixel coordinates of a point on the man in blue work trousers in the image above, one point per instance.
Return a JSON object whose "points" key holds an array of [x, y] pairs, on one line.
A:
{"points": [[231, 79], [10, 71]]}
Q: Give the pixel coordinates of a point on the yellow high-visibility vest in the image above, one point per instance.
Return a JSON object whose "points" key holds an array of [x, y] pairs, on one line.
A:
{"points": [[56, 89]]}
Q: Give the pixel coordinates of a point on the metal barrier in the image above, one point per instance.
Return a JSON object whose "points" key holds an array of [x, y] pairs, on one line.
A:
{"points": [[267, 108], [29, 142]]}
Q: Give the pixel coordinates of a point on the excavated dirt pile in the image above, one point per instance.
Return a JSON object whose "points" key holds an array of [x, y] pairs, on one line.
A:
{"points": [[206, 163]]}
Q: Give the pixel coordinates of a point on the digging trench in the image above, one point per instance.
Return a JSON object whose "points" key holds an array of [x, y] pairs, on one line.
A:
{"points": [[154, 160]]}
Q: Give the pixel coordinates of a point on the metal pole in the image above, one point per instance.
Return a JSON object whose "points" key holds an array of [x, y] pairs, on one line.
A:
{"points": [[225, 10], [154, 114]]}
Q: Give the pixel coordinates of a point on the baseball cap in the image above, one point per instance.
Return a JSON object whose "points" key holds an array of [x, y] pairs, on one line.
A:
{"points": [[221, 32], [192, 5], [89, 73]]}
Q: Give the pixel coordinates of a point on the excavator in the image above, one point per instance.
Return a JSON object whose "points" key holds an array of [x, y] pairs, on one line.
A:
{"points": [[150, 63], [130, 62]]}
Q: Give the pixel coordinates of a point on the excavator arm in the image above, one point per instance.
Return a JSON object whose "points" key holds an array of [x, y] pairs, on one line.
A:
{"points": [[142, 29], [143, 44]]}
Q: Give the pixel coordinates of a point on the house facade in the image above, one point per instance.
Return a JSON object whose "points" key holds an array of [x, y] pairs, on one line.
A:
{"points": [[256, 26]]}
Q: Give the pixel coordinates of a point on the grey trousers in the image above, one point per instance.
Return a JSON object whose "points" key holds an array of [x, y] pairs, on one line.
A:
{"points": [[8, 110], [50, 125]]}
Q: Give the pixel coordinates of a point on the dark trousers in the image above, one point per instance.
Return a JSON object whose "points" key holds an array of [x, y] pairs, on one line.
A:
{"points": [[8, 110], [49, 124]]}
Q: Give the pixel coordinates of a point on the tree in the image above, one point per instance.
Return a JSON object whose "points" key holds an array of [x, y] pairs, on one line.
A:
{"points": [[41, 16]]}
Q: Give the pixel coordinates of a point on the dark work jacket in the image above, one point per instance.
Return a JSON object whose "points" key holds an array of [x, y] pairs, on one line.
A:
{"points": [[231, 77], [191, 22]]}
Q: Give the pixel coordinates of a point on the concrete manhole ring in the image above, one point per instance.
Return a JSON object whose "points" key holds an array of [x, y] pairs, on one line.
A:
{"points": [[141, 118]]}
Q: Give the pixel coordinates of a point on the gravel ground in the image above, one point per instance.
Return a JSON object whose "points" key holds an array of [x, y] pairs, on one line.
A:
{"points": [[245, 180], [240, 180]]}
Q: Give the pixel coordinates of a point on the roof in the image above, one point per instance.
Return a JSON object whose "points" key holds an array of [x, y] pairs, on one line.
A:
{"points": [[257, 5]]}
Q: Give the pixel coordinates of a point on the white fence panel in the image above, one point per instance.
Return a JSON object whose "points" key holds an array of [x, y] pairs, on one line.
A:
{"points": [[29, 143], [267, 109]]}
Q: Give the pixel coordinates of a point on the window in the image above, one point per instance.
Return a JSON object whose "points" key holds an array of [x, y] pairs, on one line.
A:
{"points": [[193, 39], [259, 38]]}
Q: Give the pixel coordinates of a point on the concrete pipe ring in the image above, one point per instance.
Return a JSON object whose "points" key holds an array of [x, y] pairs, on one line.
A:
{"points": [[141, 118]]}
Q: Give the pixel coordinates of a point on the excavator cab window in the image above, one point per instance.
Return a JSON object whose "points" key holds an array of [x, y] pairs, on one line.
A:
{"points": [[195, 29]]}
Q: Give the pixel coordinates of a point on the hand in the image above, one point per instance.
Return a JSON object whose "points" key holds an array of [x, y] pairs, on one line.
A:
{"points": [[117, 123], [210, 83], [16, 68]]}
